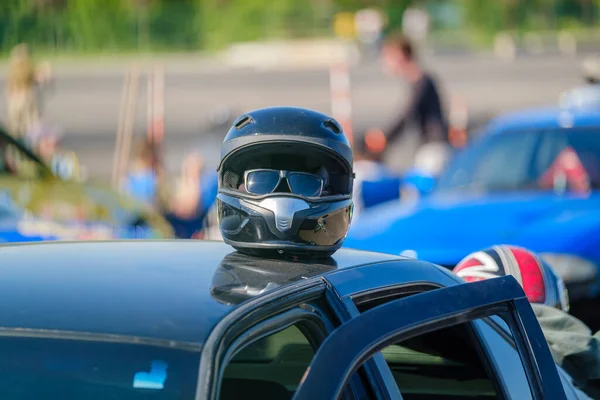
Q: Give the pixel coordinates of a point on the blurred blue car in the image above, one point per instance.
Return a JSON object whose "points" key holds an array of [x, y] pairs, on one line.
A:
{"points": [[495, 191]]}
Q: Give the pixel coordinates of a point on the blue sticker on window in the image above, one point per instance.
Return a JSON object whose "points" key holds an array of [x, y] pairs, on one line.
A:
{"points": [[155, 379]]}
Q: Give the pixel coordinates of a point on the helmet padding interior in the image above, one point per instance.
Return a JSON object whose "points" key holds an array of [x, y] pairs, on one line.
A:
{"points": [[297, 157]]}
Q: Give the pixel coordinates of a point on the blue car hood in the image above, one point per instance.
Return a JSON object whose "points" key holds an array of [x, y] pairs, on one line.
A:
{"points": [[445, 228]]}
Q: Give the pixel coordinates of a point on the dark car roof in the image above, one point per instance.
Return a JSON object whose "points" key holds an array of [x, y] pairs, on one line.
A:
{"points": [[171, 291]]}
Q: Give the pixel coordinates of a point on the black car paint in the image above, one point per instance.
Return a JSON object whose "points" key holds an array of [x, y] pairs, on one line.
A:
{"points": [[185, 294], [158, 290]]}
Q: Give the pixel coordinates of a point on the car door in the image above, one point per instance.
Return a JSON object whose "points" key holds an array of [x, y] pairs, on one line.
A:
{"points": [[355, 342], [264, 347]]}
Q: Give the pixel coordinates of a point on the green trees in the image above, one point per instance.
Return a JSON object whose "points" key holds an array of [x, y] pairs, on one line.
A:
{"points": [[173, 25]]}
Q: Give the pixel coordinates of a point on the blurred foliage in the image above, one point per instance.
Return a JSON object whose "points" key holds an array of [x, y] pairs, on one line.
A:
{"points": [[172, 25]]}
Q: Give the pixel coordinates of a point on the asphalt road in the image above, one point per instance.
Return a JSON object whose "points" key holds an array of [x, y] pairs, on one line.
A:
{"points": [[86, 103]]}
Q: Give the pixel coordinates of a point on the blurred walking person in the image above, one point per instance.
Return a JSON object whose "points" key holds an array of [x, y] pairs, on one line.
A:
{"points": [[424, 110], [22, 95]]}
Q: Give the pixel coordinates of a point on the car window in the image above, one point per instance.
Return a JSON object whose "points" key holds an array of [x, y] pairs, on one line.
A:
{"points": [[494, 162], [584, 142], [511, 370], [15, 162], [39, 368], [432, 348], [506, 358], [444, 364], [271, 367], [413, 381]]}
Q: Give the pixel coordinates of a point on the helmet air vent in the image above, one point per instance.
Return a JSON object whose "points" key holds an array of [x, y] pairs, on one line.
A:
{"points": [[332, 126], [244, 121]]}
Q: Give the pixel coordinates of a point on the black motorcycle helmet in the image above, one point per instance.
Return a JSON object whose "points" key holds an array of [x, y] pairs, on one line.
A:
{"points": [[285, 184]]}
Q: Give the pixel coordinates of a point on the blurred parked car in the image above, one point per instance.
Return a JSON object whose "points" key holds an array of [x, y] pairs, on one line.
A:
{"points": [[531, 179], [52, 206]]}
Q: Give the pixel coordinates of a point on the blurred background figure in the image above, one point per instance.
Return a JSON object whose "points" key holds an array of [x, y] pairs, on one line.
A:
{"points": [[591, 70], [369, 24], [146, 178], [195, 193], [44, 140], [416, 24], [424, 110], [188, 196], [588, 95], [23, 96]]}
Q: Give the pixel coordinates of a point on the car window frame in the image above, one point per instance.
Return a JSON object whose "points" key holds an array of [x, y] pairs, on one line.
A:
{"points": [[394, 292], [456, 304], [567, 140], [250, 322], [309, 322], [566, 379], [381, 277], [508, 387]]}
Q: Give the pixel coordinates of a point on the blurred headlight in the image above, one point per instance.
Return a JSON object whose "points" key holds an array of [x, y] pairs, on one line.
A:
{"points": [[572, 269]]}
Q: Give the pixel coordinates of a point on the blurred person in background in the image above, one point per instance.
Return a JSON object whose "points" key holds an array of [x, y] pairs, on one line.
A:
{"points": [[591, 70], [146, 178], [44, 141], [587, 96], [22, 91], [195, 194], [424, 108], [369, 24]]}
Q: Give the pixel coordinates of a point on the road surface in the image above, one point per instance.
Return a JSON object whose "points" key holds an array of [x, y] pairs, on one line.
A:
{"points": [[86, 103]]}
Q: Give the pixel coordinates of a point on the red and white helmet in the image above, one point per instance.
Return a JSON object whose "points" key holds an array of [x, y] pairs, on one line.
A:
{"points": [[539, 281]]}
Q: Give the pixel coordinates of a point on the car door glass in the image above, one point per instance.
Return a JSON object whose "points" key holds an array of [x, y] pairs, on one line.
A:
{"points": [[584, 142], [436, 352], [43, 368], [270, 368], [506, 357], [496, 162], [549, 148], [513, 372], [444, 364]]}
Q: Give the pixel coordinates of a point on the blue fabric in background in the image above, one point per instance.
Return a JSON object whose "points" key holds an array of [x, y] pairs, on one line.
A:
{"points": [[209, 187], [380, 191], [186, 227], [142, 185]]}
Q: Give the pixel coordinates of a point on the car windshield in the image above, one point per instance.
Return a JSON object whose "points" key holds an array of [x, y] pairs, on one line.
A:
{"points": [[523, 159], [40, 368]]}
